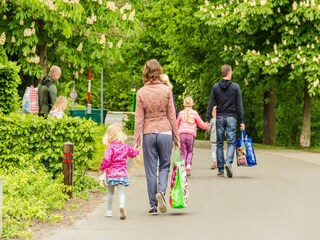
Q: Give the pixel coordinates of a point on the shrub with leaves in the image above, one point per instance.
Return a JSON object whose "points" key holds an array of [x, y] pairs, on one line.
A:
{"points": [[9, 81]]}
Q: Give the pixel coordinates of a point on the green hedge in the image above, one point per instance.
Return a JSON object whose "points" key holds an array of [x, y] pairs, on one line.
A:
{"points": [[41, 140], [31, 167], [9, 81]]}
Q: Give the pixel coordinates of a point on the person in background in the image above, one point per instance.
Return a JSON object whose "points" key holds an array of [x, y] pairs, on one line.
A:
{"points": [[165, 79], [59, 107], [114, 163], [30, 100], [227, 96], [213, 138], [47, 91], [188, 120], [156, 125]]}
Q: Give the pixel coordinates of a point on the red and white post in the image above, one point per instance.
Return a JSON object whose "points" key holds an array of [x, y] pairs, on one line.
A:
{"points": [[89, 92]]}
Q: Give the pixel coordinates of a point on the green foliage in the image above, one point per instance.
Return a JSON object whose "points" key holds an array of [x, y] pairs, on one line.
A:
{"points": [[9, 81], [31, 164], [44, 145], [29, 194]]}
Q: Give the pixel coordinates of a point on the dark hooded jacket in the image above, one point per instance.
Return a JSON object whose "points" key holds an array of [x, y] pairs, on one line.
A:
{"points": [[47, 95], [227, 96]]}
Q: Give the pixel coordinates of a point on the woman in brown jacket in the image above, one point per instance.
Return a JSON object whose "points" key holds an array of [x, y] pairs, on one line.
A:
{"points": [[155, 120]]}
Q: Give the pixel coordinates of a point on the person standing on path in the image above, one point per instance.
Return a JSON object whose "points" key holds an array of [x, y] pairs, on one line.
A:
{"points": [[213, 138], [165, 79], [155, 120], [115, 164], [188, 120], [227, 96], [47, 91]]}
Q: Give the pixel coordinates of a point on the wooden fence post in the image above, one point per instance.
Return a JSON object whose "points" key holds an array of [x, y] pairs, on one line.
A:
{"points": [[67, 166]]}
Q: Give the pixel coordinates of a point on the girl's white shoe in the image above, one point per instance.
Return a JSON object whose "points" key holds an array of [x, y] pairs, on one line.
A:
{"points": [[108, 214]]}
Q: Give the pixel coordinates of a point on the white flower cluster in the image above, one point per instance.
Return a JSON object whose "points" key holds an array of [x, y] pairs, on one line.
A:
{"points": [[2, 38], [263, 2], [87, 32], [92, 19], [76, 74], [316, 59], [119, 43], [102, 40], [4, 17], [35, 59], [71, 1], [79, 48], [28, 32], [316, 83], [110, 44], [112, 6], [50, 4], [131, 15], [13, 39]]}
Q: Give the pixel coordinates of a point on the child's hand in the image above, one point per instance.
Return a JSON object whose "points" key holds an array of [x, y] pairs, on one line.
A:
{"points": [[102, 180]]}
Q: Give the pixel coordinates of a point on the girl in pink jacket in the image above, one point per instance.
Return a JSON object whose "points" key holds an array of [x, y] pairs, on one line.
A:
{"points": [[114, 163], [188, 120]]}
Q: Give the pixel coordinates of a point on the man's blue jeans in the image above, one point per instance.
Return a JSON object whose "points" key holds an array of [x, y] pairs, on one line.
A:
{"points": [[226, 126]]}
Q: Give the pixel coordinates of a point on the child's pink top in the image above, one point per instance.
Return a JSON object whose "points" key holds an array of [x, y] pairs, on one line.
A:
{"points": [[190, 127], [115, 159]]}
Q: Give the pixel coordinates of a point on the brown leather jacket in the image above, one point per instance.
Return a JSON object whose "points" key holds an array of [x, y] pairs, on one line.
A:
{"points": [[155, 112]]}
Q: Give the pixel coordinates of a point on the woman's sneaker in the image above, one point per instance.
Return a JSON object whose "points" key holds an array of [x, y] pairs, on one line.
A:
{"points": [[153, 211], [188, 168], [122, 213], [108, 214], [161, 202]]}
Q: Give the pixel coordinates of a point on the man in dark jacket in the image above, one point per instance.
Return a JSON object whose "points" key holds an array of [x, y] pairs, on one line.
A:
{"points": [[227, 96], [47, 91]]}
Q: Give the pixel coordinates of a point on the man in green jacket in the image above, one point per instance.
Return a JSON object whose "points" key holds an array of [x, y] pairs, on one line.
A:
{"points": [[47, 91]]}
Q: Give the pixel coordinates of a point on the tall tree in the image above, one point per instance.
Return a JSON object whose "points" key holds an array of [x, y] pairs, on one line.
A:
{"points": [[276, 39], [76, 35]]}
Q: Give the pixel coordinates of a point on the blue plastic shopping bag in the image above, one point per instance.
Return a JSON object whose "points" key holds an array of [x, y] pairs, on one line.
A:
{"points": [[245, 151]]}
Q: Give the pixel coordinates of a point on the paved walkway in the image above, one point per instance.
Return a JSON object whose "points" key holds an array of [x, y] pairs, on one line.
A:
{"points": [[275, 200]]}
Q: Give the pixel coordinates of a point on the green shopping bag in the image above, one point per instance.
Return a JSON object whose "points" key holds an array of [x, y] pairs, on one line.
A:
{"points": [[179, 185]]}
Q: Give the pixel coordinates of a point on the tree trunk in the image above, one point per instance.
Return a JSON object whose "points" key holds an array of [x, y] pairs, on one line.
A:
{"points": [[43, 59], [43, 51], [306, 124], [269, 117]]}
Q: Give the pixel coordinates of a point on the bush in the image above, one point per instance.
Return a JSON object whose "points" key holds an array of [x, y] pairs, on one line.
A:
{"points": [[9, 81]]}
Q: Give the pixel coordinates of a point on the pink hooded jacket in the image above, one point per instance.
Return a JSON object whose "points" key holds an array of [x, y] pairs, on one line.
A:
{"points": [[115, 159]]}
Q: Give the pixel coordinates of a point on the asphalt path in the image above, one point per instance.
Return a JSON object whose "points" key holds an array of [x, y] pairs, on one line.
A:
{"points": [[276, 200]]}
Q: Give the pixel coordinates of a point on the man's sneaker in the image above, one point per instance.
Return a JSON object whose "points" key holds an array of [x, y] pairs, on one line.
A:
{"points": [[229, 170], [161, 202], [153, 211], [122, 213], [220, 174], [108, 214]]}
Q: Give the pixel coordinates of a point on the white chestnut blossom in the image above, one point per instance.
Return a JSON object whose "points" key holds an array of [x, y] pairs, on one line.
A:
{"points": [[79, 48], [112, 6], [263, 2], [2, 38], [132, 14], [119, 43]]}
